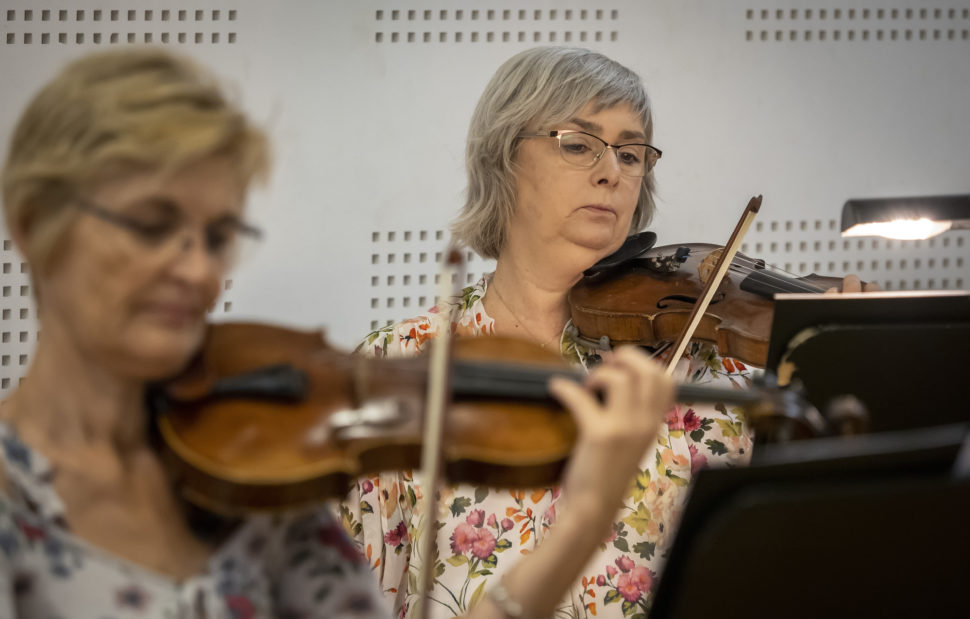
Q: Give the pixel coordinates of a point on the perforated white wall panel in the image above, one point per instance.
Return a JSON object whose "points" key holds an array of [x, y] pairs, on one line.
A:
{"points": [[806, 102]]}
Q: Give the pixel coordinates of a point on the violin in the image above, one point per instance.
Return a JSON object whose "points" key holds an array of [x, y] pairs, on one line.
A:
{"points": [[267, 418], [644, 295]]}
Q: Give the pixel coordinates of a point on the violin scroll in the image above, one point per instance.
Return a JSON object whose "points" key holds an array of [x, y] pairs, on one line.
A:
{"points": [[785, 414]]}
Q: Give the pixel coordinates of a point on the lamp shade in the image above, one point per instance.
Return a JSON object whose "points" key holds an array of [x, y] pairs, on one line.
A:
{"points": [[917, 217]]}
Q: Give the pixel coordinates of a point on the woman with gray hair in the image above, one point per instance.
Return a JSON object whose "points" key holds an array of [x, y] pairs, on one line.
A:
{"points": [[560, 166], [560, 162]]}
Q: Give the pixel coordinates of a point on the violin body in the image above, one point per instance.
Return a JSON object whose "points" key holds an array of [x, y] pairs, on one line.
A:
{"points": [[268, 418], [640, 303]]}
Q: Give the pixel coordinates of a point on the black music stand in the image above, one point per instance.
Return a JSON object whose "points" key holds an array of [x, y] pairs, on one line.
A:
{"points": [[865, 526], [903, 354]]}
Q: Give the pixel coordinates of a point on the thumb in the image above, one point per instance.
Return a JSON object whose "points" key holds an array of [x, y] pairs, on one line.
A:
{"points": [[576, 399]]}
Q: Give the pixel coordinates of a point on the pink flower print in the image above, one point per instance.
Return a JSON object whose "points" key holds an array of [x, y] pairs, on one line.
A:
{"points": [[476, 517], [691, 421], [550, 515], [492, 521], [642, 578], [610, 571], [333, 536], [627, 588], [241, 607], [463, 538], [507, 524], [397, 535], [697, 459], [625, 563], [612, 537], [601, 581], [367, 486], [674, 419], [483, 546], [31, 532]]}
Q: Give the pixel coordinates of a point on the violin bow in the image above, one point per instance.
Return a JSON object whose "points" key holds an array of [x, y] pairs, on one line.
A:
{"points": [[434, 417], [720, 269]]}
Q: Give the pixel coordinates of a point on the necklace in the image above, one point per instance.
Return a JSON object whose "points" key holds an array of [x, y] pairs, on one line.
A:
{"points": [[518, 321]]}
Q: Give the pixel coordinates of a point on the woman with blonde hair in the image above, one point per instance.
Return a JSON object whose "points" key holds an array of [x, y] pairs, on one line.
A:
{"points": [[124, 188]]}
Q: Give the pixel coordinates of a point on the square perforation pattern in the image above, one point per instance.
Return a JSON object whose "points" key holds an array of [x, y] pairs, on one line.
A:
{"points": [[835, 24], [111, 26], [471, 25], [386, 273], [18, 324], [815, 246], [405, 273]]}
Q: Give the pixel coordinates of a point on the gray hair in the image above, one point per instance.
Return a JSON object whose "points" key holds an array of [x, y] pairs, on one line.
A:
{"points": [[537, 88]]}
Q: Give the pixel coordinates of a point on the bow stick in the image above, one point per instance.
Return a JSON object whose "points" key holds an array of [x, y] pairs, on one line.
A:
{"points": [[720, 269], [434, 417]]}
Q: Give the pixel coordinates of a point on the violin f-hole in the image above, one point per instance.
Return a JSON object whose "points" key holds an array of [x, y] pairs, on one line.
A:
{"points": [[689, 300]]}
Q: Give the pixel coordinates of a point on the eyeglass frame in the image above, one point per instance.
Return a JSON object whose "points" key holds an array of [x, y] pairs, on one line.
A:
{"points": [[137, 228], [558, 133]]}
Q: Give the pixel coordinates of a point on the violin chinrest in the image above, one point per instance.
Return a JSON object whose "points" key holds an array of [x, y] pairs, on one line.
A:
{"points": [[635, 245]]}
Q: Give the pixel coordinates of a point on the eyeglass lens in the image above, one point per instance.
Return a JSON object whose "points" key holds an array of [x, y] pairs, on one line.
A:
{"points": [[584, 150], [166, 227]]}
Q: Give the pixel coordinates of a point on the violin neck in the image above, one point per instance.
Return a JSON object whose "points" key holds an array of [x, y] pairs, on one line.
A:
{"points": [[490, 381], [765, 284]]}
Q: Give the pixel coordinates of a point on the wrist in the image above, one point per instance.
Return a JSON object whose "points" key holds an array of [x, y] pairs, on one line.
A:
{"points": [[581, 512], [584, 522], [499, 596]]}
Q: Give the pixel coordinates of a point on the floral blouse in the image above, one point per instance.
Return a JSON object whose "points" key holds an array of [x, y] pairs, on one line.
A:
{"points": [[484, 530], [298, 566]]}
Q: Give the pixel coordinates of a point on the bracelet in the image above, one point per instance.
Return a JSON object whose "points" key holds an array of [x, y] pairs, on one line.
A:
{"points": [[499, 596]]}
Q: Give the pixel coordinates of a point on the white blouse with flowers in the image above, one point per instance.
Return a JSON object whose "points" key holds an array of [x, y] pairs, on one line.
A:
{"points": [[485, 530], [294, 567]]}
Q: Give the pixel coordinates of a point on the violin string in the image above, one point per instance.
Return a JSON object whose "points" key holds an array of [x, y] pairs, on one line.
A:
{"points": [[752, 264], [782, 283], [509, 372], [749, 265]]}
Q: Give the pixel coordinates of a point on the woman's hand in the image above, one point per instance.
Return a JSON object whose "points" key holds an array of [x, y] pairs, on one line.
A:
{"points": [[852, 283], [614, 433]]}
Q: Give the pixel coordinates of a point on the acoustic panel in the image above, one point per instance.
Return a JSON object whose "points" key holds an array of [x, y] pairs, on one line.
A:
{"points": [[367, 105]]}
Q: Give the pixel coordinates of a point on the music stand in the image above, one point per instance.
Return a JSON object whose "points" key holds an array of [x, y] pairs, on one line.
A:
{"points": [[903, 354], [865, 526]]}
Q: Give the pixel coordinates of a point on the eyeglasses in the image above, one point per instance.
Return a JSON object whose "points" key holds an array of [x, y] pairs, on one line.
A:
{"points": [[583, 150], [168, 229]]}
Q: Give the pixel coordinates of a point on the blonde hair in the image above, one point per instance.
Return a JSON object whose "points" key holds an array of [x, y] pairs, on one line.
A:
{"points": [[138, 108], [534, 89]]}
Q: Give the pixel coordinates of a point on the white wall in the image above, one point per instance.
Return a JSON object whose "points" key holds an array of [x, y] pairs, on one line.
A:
{"points": [[808, 103]]}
